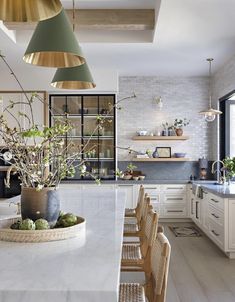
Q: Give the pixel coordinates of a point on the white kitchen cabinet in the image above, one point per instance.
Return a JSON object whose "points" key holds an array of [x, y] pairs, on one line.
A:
{"points": [[216, 219], [231, 224], [169, 200]]}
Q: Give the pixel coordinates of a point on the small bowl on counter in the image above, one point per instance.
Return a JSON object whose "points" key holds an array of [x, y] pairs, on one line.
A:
{"points": [[127, 177], [142, 133], [141, 177], [180, 155]]}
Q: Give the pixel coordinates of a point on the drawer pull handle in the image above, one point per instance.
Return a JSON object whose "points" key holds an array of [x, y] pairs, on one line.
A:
{"points": [[214, 200], [214, 232], [154, 198], [178, 188], [215, 215], [174, 199], [150, 188], [175, 211]]}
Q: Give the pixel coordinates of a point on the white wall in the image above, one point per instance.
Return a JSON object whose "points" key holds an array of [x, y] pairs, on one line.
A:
{"points": [[39, 78], [182, 97]]}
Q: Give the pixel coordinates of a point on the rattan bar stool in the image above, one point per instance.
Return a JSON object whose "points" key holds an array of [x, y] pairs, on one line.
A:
{"points": [[156, 283], [137, 229], [135, 212], [136, 256]]}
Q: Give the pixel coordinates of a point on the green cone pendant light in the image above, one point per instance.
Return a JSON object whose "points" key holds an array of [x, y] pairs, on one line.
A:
{"points": [[54, 44], [28, 10], [78, 77]]}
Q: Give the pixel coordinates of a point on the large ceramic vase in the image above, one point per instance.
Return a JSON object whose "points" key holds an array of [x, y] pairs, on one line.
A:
{"points": [[40, 204]]}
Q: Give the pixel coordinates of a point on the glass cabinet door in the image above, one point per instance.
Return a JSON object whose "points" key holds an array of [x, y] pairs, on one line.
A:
{"points": [[92, 136], [90, 105]]}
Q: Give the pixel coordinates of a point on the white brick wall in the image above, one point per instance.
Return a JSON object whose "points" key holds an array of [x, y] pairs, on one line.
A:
{"points": [[182, 97]]}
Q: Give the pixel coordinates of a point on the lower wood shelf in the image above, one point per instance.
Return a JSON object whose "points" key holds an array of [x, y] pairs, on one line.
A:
{"points": [[172, 159]]}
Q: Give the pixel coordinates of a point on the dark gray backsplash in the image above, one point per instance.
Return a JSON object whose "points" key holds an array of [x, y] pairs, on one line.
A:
{"points": [[168, 170]]}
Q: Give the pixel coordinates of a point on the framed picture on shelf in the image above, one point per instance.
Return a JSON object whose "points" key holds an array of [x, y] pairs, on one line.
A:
{"points": [[164, 152]]}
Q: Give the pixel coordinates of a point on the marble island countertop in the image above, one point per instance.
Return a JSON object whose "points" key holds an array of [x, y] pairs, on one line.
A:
{"points": [[224, 191], [76, 270], [129, 182]]}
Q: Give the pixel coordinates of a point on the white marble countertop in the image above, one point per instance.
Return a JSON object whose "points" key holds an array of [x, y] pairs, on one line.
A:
{"points": [[75, 270]]}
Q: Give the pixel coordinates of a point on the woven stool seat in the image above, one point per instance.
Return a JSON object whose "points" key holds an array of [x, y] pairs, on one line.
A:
{"points": [[131, 292], [131, 228], [130, 212], [131, 255]]}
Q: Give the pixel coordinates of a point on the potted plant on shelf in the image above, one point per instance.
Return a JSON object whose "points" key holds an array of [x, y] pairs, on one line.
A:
{"points": [[127, 175], [179, 124]]}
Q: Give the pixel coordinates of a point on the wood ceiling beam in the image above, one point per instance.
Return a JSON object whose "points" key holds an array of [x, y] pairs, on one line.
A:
{"points": [[108, 19]]}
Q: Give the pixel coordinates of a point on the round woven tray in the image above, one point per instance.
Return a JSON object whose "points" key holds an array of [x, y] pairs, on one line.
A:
{"points": [[7, 234]]}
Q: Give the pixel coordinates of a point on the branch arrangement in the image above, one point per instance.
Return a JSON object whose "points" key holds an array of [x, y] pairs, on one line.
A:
{"points": [[38, 152]]}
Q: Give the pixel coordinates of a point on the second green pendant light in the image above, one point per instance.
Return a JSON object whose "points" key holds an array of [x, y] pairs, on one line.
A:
{"points": [[54, 44]]}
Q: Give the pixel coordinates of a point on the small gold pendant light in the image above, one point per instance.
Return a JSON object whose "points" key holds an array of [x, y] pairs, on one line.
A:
{"points": [[210, 114], [78, 77], [54, 44], [28, 10]]}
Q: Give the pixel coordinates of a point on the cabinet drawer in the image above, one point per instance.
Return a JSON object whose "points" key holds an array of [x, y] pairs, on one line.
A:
{"points": [[216, 215], [155, 198], [216, 201], [174, 189], [216, 232], [175, 199], [151, 189], [174, 211]]}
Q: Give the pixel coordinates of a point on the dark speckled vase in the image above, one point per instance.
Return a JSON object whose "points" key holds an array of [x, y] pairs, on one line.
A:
{"points": [[40, 204]]}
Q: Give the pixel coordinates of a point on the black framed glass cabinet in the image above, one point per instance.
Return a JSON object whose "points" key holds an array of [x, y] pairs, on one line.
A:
{"points": [[98, 143]]}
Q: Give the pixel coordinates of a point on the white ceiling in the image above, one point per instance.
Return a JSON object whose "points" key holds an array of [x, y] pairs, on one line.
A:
{"points": [[187, 32]]}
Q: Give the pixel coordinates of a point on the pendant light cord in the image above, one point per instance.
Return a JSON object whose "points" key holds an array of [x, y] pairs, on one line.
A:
{"points": [[73, 15], [210, 84]]}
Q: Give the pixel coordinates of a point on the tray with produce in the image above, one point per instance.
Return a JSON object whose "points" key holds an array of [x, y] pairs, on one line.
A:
{"points": [[67, 226]]}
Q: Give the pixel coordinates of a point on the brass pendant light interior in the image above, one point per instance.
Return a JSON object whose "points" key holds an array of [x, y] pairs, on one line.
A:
{"points": [[28, 10], [54, 44]]}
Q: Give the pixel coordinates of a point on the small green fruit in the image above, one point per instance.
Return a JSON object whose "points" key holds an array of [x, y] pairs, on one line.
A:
{"points": [[27, 224], [42, 224], [61, 214], [68, 220]]}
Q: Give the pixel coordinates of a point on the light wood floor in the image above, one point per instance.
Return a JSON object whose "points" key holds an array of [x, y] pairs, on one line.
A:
{"points": [[199, 271]]}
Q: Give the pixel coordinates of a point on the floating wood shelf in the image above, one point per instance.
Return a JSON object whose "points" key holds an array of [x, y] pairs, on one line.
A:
{"points": [[172, 159], [160, 138]]}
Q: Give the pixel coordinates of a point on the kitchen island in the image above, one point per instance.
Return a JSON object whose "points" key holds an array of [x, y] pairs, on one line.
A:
{"points": [[212, 208], [82, 269]]}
